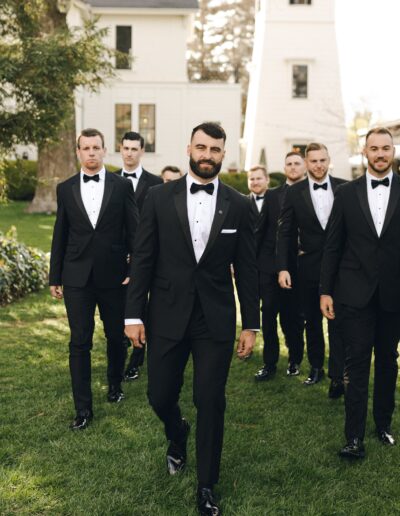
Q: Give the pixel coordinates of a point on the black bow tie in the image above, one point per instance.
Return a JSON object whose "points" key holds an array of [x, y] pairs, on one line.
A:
{"points": [[259, 197], [377, 182], [91, 178], [324, 186], [209, 188], [126, 174]]}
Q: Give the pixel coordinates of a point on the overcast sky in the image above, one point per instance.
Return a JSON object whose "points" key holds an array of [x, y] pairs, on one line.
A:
{"points": [[369, 51]]}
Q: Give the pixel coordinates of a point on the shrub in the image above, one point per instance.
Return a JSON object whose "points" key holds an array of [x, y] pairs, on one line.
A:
{"points": [[22, 269], [238, 180]]}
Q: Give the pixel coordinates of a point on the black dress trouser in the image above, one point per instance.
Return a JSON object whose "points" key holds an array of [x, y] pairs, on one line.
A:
{"points": [[80, 303], [166, 362]]}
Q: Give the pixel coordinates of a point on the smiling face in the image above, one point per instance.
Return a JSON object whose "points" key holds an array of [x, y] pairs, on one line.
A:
{"points": [[317, 163], [91, 154], [206, 155], [257, 181], [379, 151]]}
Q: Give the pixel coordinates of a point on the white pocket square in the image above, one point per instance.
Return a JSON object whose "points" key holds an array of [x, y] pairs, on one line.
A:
{"points": [[229, 231]]}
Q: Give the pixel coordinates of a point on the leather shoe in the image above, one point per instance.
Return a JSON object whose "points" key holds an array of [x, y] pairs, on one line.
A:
{"points": [[315, 376], [336, 389], [115, 394], [293, 369], [206, 502], [176, 452], [385, 436], [354, 449], [81, 421], [265, 373], [131, 374]]}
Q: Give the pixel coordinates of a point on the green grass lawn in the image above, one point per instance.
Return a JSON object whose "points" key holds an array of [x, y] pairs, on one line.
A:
{"points": [[34, 230]]}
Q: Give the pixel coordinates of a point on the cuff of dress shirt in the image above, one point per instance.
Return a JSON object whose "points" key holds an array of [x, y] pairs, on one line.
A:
{"points": [[128, 322], [251, 329]]}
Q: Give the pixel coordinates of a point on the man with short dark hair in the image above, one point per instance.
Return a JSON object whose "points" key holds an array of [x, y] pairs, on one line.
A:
{"points": [[190, 233], [93, 233], [170, 173], [360, 285], [303, 219], [132, 150], [274, 299]]}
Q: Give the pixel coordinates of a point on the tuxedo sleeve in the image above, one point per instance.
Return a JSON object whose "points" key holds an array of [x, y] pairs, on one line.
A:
{"points": [[285, 234], [334, 245], [246, 276], [131, 217], [145, 251], [59, 241]]}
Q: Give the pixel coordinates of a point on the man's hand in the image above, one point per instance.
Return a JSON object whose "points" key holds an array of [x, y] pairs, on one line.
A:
{"points": [[326, 305], [126, 280], [246, 343], [284, 279], [56, 291], [136, 334]]}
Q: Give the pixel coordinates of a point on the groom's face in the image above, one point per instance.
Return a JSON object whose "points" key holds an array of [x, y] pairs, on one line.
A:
{"points": [[206, 154]]}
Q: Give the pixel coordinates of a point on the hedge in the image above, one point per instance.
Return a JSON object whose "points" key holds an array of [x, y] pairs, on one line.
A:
{"points": [[22, 269]]}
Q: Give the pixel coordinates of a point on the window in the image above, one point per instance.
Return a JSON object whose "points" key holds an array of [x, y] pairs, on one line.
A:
{"points": [[123, 118], [298, 2], [299, 81], [299, 147], [124, 46], [147, 126]]}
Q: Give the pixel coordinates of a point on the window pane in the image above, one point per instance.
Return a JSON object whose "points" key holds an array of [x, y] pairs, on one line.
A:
{"points": [[123, 118], [306, 2], [147, 126], [299, 147], [124, 45], [299, 81]]}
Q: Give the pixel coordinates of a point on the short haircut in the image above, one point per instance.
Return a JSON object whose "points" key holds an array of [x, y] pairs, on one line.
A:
{"points": [[171, 168], [294, 153], [378, 130], [314, 146], [131, 135], [211, 129], [88, 133], [259, 167]]}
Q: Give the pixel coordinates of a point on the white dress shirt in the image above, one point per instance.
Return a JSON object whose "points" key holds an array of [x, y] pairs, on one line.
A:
{"points": [[322, 200], [134, 180], [378, 199], [259, 202], [92, 195]]}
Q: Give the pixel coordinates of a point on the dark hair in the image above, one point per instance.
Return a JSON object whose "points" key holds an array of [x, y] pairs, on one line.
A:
{"points": [[171, 168], [314, 146], [131, 135], [259, 167], [378, 130], [87, 133], [294, 153], [211, 129]]}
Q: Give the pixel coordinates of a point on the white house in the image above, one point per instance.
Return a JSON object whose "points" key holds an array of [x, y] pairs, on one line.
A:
{"points": [[152, 94], [295, 90]]}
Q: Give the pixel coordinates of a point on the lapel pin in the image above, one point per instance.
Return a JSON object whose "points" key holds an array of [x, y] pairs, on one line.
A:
{"points": [[220, 212]]}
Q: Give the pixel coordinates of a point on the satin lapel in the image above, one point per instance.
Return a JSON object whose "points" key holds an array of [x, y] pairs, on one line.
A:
{"points": [[361, 188], [108, 189], [180, 199], [393, 200], [334, 184], [76, 192], [141, 184], [221, 210], [307, 198]]}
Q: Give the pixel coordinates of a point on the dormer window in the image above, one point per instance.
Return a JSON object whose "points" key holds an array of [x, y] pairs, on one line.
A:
{"points": [[124, 46]]}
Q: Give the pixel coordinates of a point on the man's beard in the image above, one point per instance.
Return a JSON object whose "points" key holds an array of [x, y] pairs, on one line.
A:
{"points": [[205, 174], [380, 171]]}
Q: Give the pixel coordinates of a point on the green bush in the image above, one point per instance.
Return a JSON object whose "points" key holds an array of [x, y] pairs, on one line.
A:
{"points": [[22, 269], [21, 178], [238, 180]]}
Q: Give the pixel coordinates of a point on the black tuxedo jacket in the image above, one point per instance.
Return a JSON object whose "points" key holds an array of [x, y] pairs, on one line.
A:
{"points": [[255, 215], [298, 221], [164, 264], [356, 260], [146, 181], [78, 249]]}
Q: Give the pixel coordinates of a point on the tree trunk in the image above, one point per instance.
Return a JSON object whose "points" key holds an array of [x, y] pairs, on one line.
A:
{"points": [[56, 162]]}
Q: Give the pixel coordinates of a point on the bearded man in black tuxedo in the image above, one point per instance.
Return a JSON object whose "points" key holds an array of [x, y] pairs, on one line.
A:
{"points": [[191, 231], [360, 285]]}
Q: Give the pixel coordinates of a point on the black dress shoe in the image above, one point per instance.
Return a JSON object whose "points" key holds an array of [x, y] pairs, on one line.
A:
{"points": [[336, 389], [81, 421], [206, 502], [315, 376], [265, 373], [115, 394], [385, 436], [354, 449], [131, 374], [176, 452], [293, 369]]}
